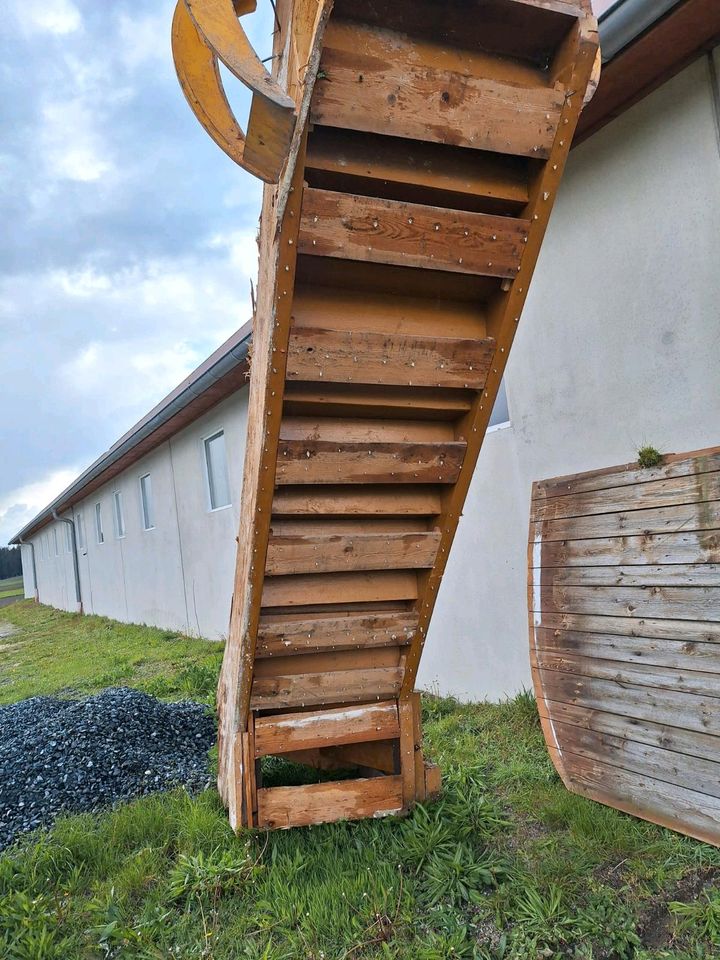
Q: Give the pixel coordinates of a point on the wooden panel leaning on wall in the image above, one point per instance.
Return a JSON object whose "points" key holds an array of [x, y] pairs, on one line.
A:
{"points": [[424, 149], [624, 600]]}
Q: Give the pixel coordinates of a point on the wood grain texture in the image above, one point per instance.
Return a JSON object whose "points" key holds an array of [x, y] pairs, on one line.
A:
{"points": [[340, 686], [625, 635], [351, 632], [331, 553], [392, 232], [308, 731], [378, 81], [352, 356], [283, 807]]}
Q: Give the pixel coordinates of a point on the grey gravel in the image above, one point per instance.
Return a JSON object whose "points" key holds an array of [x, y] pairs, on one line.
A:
{"points": [[81, 755]]}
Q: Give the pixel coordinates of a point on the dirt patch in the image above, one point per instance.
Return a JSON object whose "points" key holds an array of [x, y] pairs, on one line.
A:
{"points": [[7, 629], [656, 922]]}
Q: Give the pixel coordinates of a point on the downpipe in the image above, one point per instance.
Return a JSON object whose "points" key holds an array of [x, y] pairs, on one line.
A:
{"points": [[76, 564], [29, 543]]}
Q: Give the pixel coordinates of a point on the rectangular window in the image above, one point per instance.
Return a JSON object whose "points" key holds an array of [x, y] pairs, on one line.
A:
{"points": [[216, 469], [55, 542], [118, 515], [80, 531], [146, 503], [99, 524], [68, 538]]}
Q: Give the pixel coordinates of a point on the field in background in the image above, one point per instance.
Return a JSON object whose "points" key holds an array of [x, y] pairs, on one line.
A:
{"points": [[506, 866], [12, 587]]}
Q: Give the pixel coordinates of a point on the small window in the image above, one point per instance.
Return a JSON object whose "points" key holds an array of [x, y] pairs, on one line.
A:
{"points": [[68, 538], [99, 523], [118, 515], [80, 531], [216, 469], [55, 542], [146, 502]]}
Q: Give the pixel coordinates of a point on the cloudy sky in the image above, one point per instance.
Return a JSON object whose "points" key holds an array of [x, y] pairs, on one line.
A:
{"points": [[128, 237]]}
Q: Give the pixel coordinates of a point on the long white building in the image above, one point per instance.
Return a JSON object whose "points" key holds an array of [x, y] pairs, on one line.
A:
{"points": [[619, 346]]}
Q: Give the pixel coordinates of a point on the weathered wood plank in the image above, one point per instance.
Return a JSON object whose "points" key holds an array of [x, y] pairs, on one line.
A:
{"points": [[672, 707], [374, 230], [341, 686], [308, 731], [339, 501], [629, 523], [675, 603], [286, 637], [378, 81], [675, 654], [334, 552], [676, 491], [352, 356], [637, 575], [350, 400], [629, 475], [330, 462], [693, 547], [663, 735], [688, 631], [356, 587], [364, 430], [283, 807]]}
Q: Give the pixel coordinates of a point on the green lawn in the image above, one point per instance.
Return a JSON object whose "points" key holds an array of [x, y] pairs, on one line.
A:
{"points": [[506, 866], [12, 587]]}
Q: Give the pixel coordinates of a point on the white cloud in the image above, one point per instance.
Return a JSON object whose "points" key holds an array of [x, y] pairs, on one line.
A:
{"points": [[54, 16], [19, 506], [73, 149]]}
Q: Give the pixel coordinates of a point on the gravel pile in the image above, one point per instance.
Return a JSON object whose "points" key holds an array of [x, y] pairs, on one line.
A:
{"points": [[80, 755]]}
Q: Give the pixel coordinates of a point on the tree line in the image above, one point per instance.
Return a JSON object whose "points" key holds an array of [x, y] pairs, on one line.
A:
{"points": [[10, 564]]}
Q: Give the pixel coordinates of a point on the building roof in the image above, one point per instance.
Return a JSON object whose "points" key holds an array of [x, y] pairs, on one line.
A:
{"points": [[648, 41]]}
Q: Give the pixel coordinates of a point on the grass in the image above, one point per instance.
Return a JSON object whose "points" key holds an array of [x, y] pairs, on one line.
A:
{"points": [[12, 587], [506, 866]]}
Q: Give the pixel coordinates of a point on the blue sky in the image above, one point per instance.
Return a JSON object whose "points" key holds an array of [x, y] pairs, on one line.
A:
{"points": [[128, 240]]}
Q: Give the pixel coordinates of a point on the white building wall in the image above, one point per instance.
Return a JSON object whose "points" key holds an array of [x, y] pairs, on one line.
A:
{"points": [[619, 346]]}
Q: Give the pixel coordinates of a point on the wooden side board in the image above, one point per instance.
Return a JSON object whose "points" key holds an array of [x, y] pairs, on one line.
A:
{"points": [[625, 637]]}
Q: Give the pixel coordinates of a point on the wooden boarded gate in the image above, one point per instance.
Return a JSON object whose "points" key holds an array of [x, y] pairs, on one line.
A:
{"points": [[624, 600]]}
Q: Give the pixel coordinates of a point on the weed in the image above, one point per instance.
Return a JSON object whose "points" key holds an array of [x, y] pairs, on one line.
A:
{"points": [[702, 916], [649, 457]]}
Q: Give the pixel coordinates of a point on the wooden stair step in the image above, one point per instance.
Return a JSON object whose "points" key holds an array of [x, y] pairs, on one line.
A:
{"points": [[361, 400], [353, 227], [389, 501], [331, 462], [326, 588], [364, 430], [328, 687], [355, 356], [333, 552], [283, 807], [307, 731], [381, 81], [283, 637]]}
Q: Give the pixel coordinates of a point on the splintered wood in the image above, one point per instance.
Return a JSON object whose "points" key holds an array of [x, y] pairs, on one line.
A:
{"points": [[625, 636], [423, 157]]}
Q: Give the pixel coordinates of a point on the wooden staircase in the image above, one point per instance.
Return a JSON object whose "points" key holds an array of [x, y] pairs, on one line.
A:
{"points": [[424, 151]]}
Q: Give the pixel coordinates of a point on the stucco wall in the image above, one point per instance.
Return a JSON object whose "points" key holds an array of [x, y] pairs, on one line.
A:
{"points": [[619, 345]]}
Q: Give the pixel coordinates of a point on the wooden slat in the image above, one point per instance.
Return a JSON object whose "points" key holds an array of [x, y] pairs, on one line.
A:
{"points": [[308, 731], [330, 462], [657, 628], [282, 807], [637, 575], [672, 707], [352, 356], [381, 82], [287, 637], [363, 400], [678, 603], [373, 230], [467, 175], [630, 673], [341, 686], [633, 523], [365, 430], [688, 742], [330, 660], [676, 491], [675, 654], [629, 475], [330, 553], [339, 501], [694, 547], [359, 587]]}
